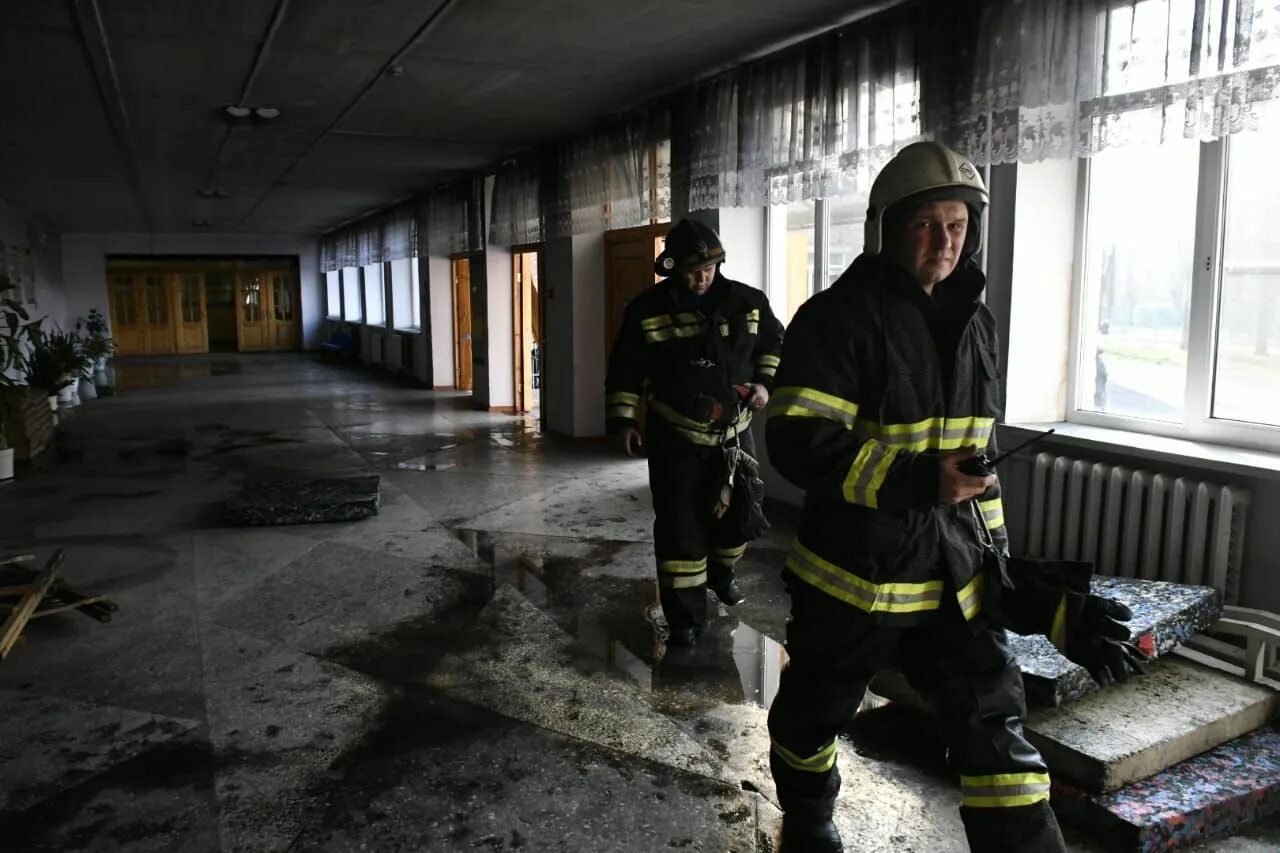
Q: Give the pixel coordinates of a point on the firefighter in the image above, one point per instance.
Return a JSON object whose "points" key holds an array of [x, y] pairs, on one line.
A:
{"points": [[708, 349], [887, 385]]}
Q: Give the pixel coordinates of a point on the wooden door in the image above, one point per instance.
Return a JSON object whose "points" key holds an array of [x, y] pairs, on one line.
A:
{"points": [[252, 331], [628, 261], [462, 323], [158, 315], [283, 314], [187, 293], [524, 326], [124, 299]]}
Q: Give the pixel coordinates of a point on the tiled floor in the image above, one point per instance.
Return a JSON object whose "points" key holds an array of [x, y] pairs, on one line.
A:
{"points": [[480, 666]]}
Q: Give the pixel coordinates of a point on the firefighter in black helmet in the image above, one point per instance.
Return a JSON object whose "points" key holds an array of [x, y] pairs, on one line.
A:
{"points": [[887, 385], [708, 348]]}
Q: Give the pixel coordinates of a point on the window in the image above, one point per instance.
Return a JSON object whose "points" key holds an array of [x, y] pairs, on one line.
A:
{"points": [[281, 298], [406, 295], [192, 299], [351, 295], [157, 301], [333, 294], [252, 307], [375, 303], [792, 231], [1179, 290], [845, 232]]}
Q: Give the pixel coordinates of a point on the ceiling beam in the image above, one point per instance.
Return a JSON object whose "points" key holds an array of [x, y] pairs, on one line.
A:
{"points": [[93, 37], [259, 60], [414, 40]]}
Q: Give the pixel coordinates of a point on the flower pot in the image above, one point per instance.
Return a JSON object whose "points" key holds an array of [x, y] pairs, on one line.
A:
{"points": [[85, 389], [53, 402], [6, 464]]}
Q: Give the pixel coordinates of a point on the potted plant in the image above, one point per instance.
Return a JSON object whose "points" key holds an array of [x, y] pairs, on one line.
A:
{"points": [[53, 362], [15, 325], [97, 346]]}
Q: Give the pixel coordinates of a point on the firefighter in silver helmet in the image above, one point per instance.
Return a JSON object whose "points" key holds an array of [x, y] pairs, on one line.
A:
{"points": [[703, 349], [888, 384]]}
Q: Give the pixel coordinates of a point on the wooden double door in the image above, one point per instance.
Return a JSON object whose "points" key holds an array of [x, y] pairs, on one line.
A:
{"points": [[160, 312]]}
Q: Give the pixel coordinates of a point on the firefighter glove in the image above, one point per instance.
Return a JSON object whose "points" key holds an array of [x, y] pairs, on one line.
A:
{"points": [[1092, 633]]}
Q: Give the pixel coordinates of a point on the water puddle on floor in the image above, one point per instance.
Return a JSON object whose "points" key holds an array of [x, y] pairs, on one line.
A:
{"points": [[620, 624]]}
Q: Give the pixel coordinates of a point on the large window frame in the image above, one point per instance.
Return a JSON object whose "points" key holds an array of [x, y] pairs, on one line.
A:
{"points": [[1198, 422]]}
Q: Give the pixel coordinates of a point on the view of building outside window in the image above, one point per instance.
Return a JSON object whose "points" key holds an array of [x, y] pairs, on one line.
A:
{"points": [[845, 234], [1247, 372], [1140, 236], [799, 254]]}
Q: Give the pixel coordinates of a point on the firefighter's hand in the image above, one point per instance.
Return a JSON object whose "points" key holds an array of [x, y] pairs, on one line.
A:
{"points": [[759, 397], [629, 442], [955, 486]]}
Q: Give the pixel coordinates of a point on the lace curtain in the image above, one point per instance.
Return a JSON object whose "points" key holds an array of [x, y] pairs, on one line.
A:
{"points": [[814, 121], [516, 217], [1069, 78], [450, 229], [387, 235], [601, 178]]}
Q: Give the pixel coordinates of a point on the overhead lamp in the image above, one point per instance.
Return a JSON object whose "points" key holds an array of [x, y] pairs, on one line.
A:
{"points": [[237, 111], [266, 112]]}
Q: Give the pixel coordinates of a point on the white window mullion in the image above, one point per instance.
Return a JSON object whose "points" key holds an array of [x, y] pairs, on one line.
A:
{"points": [[1202, 331], [821, 240]]}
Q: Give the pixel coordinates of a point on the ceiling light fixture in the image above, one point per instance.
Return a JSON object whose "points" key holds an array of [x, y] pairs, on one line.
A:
{"points": [[237, 111], [266, 112]]}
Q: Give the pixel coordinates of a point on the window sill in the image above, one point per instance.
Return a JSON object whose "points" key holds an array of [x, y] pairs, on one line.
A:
{"points": [[1258, 464], [409, 330]]}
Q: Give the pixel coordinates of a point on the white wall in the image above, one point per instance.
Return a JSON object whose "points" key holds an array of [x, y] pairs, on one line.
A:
{"points": [[27, 232], [1040, 299], [557, 367], [589, 357], [440, 293], [84, 265], [500, 319]]}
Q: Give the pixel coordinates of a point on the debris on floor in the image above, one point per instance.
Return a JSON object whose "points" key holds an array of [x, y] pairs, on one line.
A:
{"points": [[27, 594], [305, 501]]}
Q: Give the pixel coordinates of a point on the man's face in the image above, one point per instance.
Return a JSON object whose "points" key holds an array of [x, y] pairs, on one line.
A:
{"points": [[699, 281], [931, 240]]}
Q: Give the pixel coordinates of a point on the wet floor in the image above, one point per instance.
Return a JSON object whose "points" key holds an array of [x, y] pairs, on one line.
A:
{"points": [[480, 666]]}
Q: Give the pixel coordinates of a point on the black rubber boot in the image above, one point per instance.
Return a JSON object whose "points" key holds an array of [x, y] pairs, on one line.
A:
{"points": [[807, 827], [682, 637], [728, 593]]}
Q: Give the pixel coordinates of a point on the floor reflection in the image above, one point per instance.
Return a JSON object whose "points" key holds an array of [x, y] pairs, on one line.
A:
{"points": [[621, 625]]}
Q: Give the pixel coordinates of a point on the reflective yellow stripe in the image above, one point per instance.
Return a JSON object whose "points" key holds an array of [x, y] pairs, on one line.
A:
{"points": [[797, 402], [822, 762], [768, 361], [656, 322], [622, 404], [1058, 631], [682, 581], [766, 371], [666, 334], [700, 432], [1004, 790], [682, 574], [930, 434], [729, 556], [867, 473], [753, 321], [992, 513], [682, 567], [970, 597], [862, 593]]}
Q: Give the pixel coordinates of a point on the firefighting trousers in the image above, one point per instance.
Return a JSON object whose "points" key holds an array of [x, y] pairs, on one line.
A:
{"points": [[973, 682], [690, 550]]}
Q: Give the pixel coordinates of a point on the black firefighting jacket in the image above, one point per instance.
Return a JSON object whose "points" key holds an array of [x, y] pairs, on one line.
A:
{"points": [[692, 356], [862, 408]]}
